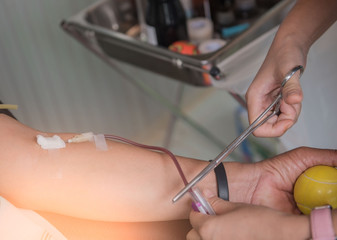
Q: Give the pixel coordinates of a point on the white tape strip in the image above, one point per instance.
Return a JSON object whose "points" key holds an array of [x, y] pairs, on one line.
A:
{"points": [[100, 142], [54, 142]]}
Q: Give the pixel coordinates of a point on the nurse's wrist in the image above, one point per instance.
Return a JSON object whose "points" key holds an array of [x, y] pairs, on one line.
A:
{"points": [[241, 179]]}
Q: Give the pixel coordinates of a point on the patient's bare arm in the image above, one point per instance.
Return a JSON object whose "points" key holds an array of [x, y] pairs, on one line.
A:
{"points": [[125, 183]]}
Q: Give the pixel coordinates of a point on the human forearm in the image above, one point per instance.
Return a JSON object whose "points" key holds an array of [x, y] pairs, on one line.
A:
{"points": [[247, 221], [125, 183], [304, 24], [307, 21]]}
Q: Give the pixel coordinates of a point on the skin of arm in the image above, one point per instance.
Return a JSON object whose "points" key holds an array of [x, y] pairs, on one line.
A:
{"points": [[270, 224], [130, 184], [245, 221], [304, 24], [125, 183], [334, 220]]}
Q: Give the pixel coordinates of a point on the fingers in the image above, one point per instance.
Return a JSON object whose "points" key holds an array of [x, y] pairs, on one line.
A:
{"points": [[197, 219], [205, 225], [291, 164], [199, 226], [278, 125], [193, 235], [220, 206], [263, 91], [292, 91], [302, 158], [312, 156], [288, 117]]}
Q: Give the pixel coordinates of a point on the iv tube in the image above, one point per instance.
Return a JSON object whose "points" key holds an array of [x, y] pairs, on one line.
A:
{"points": [[199, 202], [171, 155]]}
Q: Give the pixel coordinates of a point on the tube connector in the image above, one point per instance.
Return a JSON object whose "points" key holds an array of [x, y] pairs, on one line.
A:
{"points": [[84, 137]]}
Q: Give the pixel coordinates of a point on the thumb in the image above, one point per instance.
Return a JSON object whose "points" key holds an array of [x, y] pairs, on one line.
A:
{"points": [[292, 91], [219, 205], [313, 156]]}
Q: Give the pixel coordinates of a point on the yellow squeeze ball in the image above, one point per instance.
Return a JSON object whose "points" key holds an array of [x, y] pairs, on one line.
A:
{"points": [[317, 186]]}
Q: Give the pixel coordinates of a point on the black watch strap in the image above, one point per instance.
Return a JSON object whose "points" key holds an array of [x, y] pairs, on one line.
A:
{"points": [[222, 183]]}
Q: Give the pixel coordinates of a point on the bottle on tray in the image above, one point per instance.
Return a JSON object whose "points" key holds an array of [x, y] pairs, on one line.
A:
{"points": [[165, 22]]}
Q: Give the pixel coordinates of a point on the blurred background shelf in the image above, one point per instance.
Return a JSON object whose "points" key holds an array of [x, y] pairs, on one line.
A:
{"points": [[111, 28]]}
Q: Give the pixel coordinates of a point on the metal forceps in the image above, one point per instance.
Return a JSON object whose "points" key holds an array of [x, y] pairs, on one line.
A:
{"points": [[274, 107]]}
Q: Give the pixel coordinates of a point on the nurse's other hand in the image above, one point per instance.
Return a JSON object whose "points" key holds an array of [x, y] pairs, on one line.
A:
{"points": [[270, 182], [244, 221], [265, 87]]}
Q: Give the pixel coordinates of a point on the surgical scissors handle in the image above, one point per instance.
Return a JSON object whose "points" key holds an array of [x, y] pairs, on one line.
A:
{"points": [[274, 107]]}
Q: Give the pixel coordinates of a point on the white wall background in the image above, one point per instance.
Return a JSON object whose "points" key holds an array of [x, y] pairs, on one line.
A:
{"points": [[59, 85]]}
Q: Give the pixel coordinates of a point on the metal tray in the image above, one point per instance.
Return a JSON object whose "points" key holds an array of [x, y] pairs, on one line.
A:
{"points": [[110, 28]]}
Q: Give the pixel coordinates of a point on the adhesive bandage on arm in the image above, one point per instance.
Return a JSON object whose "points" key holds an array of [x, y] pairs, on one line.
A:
{"points": [[54, 142]]}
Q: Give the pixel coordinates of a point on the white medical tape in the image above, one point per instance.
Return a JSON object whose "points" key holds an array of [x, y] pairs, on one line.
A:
{"points": [[54, 142], [100, 142]]}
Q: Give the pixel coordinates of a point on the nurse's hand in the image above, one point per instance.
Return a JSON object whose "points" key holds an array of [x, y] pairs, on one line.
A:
{"points": [[270, 182], [263, 90], [244, 221]]}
